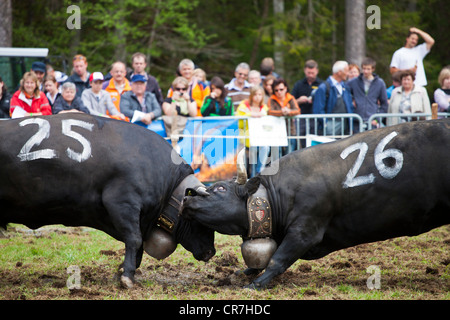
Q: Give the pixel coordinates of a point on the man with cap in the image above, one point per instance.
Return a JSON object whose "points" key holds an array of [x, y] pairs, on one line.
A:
{"points": [[140, 101], [99, 101], [39, 68], [139, 63], [80, 74]]}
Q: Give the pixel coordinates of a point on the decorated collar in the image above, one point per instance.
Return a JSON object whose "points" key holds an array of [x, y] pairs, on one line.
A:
{"points": [[259, 214]]}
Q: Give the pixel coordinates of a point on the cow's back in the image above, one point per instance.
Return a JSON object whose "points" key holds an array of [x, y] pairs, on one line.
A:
{"points": [[372, 186], [57, 169]]}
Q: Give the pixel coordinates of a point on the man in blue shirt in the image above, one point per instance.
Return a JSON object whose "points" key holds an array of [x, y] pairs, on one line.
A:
{"points": [[369, 91], [333, 96]]}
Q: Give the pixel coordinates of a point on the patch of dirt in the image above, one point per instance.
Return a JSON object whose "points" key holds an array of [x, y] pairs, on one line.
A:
{"points": [[411, 268]]}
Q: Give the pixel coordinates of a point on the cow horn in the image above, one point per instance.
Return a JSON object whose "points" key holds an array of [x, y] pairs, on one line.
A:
{"points": [[241, 170], [202, 191]]}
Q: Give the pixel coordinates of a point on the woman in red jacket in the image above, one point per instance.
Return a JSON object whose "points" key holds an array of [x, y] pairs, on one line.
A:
{"points": [[29, 98]]}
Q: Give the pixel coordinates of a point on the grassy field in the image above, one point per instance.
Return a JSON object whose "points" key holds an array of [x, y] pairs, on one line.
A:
{"points": [[34, 266]]}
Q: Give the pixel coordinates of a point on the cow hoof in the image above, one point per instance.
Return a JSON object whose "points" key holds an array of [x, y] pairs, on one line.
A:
{"points": [[248, 272], [126, 282], [252, 271], [253, 286]]}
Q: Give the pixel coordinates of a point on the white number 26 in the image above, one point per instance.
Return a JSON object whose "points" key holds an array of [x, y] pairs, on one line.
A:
{"points": [[380, 154]]}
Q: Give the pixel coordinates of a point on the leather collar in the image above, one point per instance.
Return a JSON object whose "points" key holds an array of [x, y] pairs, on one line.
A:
{"points": [[259, 214], [167, 221]]}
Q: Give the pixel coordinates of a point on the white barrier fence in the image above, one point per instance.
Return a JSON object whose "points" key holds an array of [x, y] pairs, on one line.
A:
{"points": [[300, 128], [298, 131], [388, 119]]}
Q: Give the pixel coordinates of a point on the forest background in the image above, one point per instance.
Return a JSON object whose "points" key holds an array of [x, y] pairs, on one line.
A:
{"points": [[218, 35]]}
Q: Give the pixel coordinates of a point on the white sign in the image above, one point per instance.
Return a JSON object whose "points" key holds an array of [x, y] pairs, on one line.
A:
{"points": [[267, 131]]}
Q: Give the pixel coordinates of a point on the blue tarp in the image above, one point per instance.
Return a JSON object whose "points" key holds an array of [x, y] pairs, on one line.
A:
{"points": [[216, 150]]}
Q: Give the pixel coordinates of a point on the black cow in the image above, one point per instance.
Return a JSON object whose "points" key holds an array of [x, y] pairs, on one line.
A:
{"points": [[79, 170], [373, 186]]}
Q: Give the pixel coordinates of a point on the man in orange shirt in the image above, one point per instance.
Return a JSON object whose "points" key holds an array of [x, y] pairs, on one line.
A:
{"points": [[118, 84]]}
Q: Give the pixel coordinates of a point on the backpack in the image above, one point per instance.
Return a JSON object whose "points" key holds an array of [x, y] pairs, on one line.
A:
{"points": [[327, 93]]}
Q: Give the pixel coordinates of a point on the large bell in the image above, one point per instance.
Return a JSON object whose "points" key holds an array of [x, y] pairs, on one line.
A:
{"points": [[159, 244], [257, 252]]}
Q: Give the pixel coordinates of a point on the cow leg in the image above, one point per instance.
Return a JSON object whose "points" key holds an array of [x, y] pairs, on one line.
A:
{"points": [[139, 255], [252, 271], [289, 251], [130, 262], [248, 271], [125, 219]]}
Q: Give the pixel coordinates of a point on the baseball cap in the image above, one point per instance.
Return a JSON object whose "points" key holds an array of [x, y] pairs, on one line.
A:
{"points": [[38, 66], [138, 78], [96, 76], [60, 77]]}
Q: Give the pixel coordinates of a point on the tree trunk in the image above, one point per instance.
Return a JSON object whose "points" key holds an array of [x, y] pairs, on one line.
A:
{"points": [[120, 51], [258, 39], [278, 10], [355, 31], [5, 23]]}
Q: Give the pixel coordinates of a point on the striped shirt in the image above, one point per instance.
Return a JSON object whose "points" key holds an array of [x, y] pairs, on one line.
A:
{"points": [[237, 94]]}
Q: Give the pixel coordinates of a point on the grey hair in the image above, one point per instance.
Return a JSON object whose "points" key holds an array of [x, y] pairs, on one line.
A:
{"points": [[339, 66], [242, 65], [68, 85], [254, 73], [187, 62]]}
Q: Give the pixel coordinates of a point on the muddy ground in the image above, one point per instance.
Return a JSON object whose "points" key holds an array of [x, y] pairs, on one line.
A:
{"points": [[414, 268]]}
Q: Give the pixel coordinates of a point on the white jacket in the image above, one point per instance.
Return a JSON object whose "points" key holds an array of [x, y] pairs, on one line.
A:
{"points": [[420, 103], [99, 107]]}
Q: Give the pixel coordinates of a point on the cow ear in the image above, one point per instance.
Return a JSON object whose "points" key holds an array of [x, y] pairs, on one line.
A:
{"points": [[252, 185]]}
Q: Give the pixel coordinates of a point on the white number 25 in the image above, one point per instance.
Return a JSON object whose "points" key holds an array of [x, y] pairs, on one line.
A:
{"points": [[43, 132], [380, 154]]}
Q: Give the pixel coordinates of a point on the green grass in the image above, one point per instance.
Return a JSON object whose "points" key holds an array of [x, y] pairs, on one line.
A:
{"points": [[34, 266]]}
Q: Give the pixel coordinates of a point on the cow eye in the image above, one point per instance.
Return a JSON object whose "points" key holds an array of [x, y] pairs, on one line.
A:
{"points": [[220, 189]]}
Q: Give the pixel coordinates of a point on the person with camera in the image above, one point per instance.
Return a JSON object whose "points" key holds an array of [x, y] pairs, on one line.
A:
{"points": [[180, 103], [197, 89], [217, 103]]}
